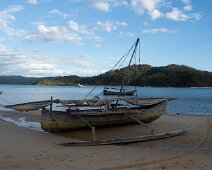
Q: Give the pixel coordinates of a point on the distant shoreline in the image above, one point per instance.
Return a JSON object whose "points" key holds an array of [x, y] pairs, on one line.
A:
{"points": [[104, 85], [146, 75]]}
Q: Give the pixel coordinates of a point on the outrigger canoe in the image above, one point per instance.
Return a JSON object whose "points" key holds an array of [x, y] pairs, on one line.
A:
{"points": [[85, 114], [147, 110], [73, 120]]}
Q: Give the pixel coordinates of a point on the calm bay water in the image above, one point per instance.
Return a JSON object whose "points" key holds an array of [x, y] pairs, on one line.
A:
{"points": [[195, 101]]}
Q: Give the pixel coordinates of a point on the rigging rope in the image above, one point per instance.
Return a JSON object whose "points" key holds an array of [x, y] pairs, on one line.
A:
{"points": [[122, 60]]}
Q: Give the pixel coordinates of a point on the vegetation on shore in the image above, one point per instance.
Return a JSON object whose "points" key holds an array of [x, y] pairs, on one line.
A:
{"points": [[140, 75]]}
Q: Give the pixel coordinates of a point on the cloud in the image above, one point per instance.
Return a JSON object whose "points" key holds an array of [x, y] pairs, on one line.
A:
{"points": [[84, 31], [103, 6], [36, 23], [25, 63], [91, 72], [39, 69], [79, 28], [151, 6], [73, 25], [94, 37], [195, 16], [57, 12], [155, 14], [119, 3], [80, 61], [53, 33], [110, 26], [17, 32], [6, 15], [74, 33], [140, 5], [186, 1], [33, 2], [15, 62], [84, 65], [6, 18], [127, 34], [187, 8], [158, 30], [2, 48], [107, 5], [178, 15]]}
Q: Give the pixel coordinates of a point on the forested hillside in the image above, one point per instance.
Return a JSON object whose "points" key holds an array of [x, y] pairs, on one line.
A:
{"points": [[142, 75]]}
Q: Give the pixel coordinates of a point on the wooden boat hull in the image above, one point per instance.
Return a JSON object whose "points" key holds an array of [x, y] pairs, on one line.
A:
{"points": [[58, 121]]}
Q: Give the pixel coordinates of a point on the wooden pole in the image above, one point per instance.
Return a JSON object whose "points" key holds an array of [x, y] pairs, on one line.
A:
{"points": [[124, 80], [51, 104]]}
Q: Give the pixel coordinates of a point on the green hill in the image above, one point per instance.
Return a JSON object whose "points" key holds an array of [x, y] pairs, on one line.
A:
{"points": [[142, 75]]}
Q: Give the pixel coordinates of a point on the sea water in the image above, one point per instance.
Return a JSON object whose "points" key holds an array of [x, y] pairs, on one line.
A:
{"points": [[190, 101]]}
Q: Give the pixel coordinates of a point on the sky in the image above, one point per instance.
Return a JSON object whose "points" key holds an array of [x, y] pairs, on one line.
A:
{"points": [[87, 37]]}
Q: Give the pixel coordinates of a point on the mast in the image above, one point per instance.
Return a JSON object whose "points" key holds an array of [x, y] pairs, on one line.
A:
{"points": [[134, 51], [132, 56]]}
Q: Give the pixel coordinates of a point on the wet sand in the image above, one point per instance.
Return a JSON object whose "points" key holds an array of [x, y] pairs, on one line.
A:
{"points": [[22, 148]]}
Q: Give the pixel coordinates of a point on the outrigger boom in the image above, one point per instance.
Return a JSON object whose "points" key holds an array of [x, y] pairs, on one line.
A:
{"points": [[128, 139]]}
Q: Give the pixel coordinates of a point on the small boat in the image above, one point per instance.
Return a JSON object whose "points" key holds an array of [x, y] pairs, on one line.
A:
{"points": [[1, 92], [80, 85], [114, 91]]}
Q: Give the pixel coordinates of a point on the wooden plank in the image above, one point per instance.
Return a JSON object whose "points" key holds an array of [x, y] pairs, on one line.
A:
{"points": [[32, 105], [128, 139]]}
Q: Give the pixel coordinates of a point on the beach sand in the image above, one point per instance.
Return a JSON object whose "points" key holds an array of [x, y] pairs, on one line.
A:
{"points": [[22, 148]]}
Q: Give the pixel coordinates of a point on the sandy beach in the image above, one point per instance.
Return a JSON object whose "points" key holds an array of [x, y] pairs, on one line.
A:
{"points": [[22, 148]]}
